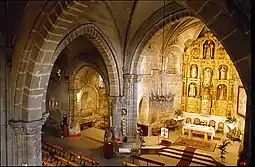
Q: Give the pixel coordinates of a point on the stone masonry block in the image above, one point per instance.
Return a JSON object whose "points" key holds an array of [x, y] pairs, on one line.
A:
{"points": [[32, 102], [44, 80], [53, 17], [58, 10], [48, 57], [32, 114], [195, 5], [209, 10], [223, 25], [32, 82], [49, 45], [31, 66], [237, 45], [244, 70]]}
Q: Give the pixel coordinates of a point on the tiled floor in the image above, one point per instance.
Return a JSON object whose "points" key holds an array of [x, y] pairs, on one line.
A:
{"points": [[91, 141]]}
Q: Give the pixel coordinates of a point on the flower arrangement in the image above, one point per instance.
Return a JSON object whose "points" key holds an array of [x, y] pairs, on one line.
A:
{"points": [[230, 119]]}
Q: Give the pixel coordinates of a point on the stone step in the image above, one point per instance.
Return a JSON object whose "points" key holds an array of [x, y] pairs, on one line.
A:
{"points": [[196, 157]]}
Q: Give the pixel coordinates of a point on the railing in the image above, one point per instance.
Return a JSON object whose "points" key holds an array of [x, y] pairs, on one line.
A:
{"points": [[147, 161]]}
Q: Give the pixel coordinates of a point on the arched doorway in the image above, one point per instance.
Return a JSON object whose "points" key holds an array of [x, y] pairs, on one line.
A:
{"points": [[144, 115]]}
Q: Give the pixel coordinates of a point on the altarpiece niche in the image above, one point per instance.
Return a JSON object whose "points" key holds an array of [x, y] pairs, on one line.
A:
{"points": [[208, 78]]}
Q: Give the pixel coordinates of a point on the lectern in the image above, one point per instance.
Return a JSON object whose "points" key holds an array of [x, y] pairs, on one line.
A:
{"points": [[108, 147]]}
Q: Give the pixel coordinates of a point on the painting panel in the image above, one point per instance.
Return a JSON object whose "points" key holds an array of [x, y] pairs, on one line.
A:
{"points": [[241, 101]]}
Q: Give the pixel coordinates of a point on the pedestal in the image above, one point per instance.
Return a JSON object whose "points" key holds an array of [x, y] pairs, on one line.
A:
{"points": [[108, 150]]}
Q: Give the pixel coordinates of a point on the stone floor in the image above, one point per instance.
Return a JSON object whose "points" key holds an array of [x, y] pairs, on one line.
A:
{"points": [[91, 142]]}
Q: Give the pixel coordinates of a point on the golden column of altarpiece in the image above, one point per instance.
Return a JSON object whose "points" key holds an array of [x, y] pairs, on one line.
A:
{"points": [[208, 78]]}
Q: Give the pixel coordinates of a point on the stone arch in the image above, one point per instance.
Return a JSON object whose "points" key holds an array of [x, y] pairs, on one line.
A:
{"points": [[137, 57], [35, 77]]}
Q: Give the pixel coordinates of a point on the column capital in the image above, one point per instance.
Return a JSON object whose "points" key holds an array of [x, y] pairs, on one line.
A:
{"points": [[28, 128]]}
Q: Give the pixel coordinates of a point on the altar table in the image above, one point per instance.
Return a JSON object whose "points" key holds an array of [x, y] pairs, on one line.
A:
{"points": [[199, 128]]}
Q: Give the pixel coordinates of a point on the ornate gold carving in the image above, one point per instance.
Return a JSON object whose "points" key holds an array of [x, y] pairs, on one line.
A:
{"points": [[223, 69], [193, 71], [195, 53], [207, 78], [192, 90]]}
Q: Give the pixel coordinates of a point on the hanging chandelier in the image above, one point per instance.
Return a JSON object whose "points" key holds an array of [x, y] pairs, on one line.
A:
{"points": [[161, 97]]}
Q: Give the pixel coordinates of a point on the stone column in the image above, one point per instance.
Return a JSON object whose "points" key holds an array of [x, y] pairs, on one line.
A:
{"points": [[3, 100], [114, 115], [131, 95], [28, 138]]}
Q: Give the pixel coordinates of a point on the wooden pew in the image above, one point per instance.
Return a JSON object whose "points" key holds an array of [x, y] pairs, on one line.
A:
{"points": [[44, 163], [47, 155], [147, 161], [82, 158], [128, 164], [60, 151], [67, 162], [57, 150]]}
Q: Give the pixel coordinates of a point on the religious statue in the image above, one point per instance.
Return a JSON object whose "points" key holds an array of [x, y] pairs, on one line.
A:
{"points": [[108, 135], [193, 71], [208, 50], [223, 72], [207, 76], [206, 100], [192, 90], [222, 92]]}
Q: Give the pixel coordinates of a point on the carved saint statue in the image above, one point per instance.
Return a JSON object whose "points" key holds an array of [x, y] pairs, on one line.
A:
{"points": [[223, 72], [222, 92], [192, 90], [208, 50], [193, 71], [207, 76], [206, 100]]}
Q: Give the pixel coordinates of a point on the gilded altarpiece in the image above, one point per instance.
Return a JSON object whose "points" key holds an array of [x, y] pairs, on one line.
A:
{"points": [[207, 78]]}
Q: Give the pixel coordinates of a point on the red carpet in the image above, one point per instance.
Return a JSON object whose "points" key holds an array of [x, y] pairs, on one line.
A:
{"points": [[189, 152]]}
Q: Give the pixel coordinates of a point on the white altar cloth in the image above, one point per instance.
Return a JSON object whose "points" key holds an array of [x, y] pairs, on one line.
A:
{"points": [[200, 128]]}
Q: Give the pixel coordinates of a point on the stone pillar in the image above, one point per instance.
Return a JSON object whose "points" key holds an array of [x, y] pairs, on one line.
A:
{"points": [[131, 95], [3, 98], [28, 138], [114, 112]]}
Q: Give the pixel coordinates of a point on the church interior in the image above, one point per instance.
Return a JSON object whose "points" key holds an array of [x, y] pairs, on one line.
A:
{"points": [[125, 83]]}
